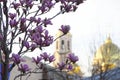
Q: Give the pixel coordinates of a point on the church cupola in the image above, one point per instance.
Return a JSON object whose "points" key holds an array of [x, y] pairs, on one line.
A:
{"points": [[108, 40]]}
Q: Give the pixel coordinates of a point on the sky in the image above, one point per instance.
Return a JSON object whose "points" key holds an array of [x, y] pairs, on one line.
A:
{"points": [[90, 26]]}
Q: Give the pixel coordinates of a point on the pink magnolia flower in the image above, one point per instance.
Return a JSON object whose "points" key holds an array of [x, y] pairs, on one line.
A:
{"points": [[51, 58], [61, 65], [23, 68], [65, 29], [26, 44], [37, 61], [45, 56], [16, 58], [72, 57]]}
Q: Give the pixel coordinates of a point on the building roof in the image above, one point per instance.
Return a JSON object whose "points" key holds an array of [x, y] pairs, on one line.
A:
{"points": [[60, 33], [107, 53], [109, 48]]}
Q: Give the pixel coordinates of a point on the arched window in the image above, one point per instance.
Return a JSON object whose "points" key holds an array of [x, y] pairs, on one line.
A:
{"points": [[68, 45], [56, 44], [62, 44]]}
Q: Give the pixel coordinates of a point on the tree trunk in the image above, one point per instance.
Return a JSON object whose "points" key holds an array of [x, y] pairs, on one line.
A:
{"points": [[5, 68]]}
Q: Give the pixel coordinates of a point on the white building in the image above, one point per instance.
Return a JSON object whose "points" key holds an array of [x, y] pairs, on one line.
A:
{"points": [[32, 76], [63, 47]]}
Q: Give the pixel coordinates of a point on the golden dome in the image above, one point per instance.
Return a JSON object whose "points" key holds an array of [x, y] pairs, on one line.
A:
{"points": [[107, 56], [107, 52], [109, 48]]}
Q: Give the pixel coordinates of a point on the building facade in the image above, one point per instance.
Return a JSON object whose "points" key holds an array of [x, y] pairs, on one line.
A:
{"points": [[63, 47]]}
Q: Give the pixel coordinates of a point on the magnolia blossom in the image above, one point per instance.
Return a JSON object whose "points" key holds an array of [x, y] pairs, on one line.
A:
{"points": [[40, 37], [15, 5], [12, 15], [26, 44], [38, 21], [51, 58], [33, 47], [72, 57], [46, 5], [45, 56], [69, 67], [1, 0], [61, 65], [37, 60], [23, 68], [16, 58], [32, 19], [47, 22], [13, 23], [65, 29]]}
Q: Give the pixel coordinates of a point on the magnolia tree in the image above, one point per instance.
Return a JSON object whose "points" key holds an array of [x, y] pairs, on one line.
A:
{"points": [[21, 25]]}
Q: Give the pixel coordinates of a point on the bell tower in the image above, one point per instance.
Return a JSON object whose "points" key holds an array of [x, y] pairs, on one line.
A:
{"points": [[63, 47]]}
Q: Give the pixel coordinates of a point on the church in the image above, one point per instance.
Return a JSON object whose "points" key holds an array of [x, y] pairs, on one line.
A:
{"points": [[63, 46], [108, 55], [106, 62]]}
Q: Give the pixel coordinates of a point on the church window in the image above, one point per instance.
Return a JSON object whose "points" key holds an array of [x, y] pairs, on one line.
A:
{"points": [[68, 43], [56, 44], [62, 44]]}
